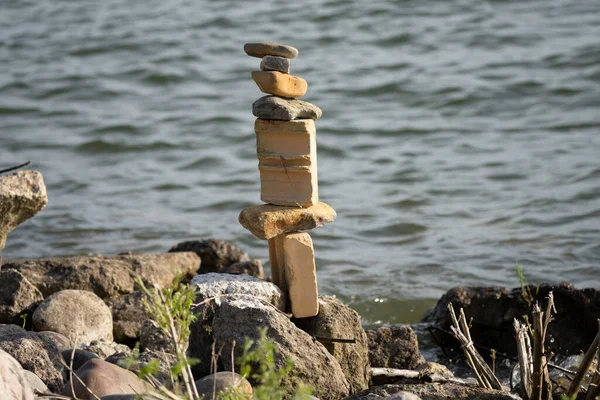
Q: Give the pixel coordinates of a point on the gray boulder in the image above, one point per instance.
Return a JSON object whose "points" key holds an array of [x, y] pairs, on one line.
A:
{"points": [[35, 382], [213, 384], [236, 319], [105, 276], [394, 347], [337, 321], [14, 385], [165, 362], [35, 353], [211, 290], [75, 358], [77, 314], [103, 378], [61, 341], [215, 254], [493, 310], [22, 195], [17, 297], [153, 338], [252, 268], [105, 348], [283, 109], [128, 315]]}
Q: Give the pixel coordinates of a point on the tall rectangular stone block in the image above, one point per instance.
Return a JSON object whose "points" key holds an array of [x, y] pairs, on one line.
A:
{"points": [[287, 161], [276, 261], [301, 274]]}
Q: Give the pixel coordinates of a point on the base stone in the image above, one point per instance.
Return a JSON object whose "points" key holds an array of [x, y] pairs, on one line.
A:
{"points": [[301, 274]]}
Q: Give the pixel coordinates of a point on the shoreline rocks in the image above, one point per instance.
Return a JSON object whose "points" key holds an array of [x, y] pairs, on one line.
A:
{"points": [[35, 352], [106, 276], [493, 309], [17, 297], [215, 254]]}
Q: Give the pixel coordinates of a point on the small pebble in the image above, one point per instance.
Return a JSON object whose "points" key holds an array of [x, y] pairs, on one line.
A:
{"points": [[273, 63]]}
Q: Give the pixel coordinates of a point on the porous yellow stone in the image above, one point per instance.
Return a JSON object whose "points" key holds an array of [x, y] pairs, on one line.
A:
{"points": [[287, 161], [267, 221], [301, 274], [280, 84]]}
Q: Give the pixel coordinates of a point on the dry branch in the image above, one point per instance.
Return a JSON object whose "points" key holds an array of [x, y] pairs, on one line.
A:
{"points": [[587, 361], [484, 374]]}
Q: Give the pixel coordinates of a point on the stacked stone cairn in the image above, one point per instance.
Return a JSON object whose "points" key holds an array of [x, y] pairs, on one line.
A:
{"points": [[287, 162]]}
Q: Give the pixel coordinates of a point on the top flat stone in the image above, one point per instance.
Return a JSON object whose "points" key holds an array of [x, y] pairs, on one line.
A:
{"points": [[261, 49], [267, 221]]}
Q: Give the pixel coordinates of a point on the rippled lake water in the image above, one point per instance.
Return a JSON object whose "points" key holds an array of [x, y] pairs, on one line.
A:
{"points": [[458, 137]]}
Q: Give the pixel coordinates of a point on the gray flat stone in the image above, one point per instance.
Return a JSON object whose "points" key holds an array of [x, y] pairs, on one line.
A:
{"points": [[273, 63], [282, 109], [261, 49]]}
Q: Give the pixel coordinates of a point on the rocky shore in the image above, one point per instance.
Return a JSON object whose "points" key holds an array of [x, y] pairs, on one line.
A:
{"points": [[87, 309]]}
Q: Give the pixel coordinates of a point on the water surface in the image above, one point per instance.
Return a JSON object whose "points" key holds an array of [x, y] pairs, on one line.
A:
{"points": [[457, 137]]}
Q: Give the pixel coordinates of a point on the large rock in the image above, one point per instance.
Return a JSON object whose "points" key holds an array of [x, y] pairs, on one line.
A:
{"points": [[493, 309], [35, 382], [337, 321], [279, 108], [394, 347], [35, 353], [154, 338], [267, 221], [103, 378], [62, 342], [432, 391], [77, 314], [165, 362], [17, 297], [211, 290], [215, 254], [252, 268], [128, 315], [211, 385], [105, 348], [261, 49], [22, 195], [105, 276], [14, 385], [75, 358], [238, 319]]}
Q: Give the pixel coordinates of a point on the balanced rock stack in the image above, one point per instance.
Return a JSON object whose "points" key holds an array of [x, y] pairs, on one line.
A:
{"points": [[287, 162]]}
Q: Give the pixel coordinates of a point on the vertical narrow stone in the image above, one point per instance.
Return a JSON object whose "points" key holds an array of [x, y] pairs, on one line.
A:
{"points": [[277, 262], [301, 274]]}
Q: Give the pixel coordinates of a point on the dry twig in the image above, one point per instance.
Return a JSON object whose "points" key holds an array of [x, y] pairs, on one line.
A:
{"points": [[484, 374], [587, 361]]}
